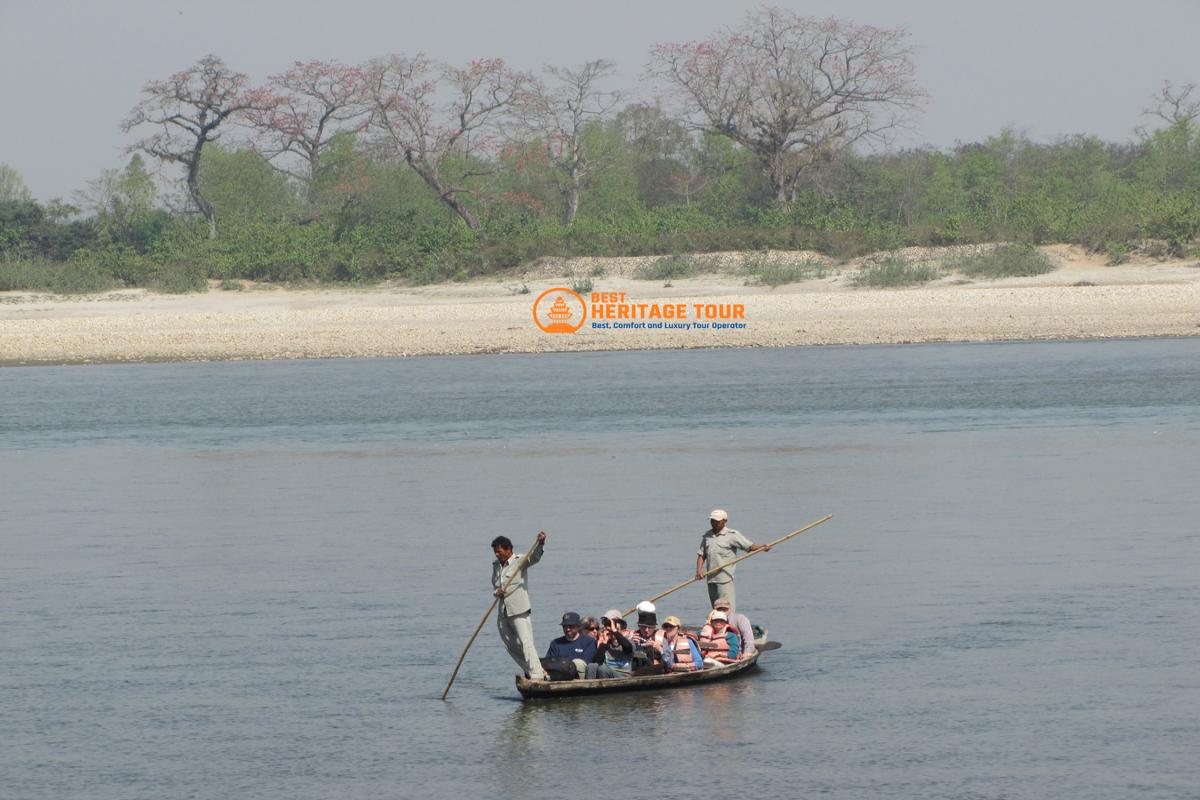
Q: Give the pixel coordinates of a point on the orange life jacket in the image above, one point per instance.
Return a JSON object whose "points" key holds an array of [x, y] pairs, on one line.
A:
{"points": [[714, 645], [683, 653]]}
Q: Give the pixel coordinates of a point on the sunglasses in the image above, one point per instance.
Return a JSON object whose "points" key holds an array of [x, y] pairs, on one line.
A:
{"points": [[668, 625]]}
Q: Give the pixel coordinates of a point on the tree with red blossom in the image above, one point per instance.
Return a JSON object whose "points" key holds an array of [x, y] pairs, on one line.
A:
{"points": [[446, 122], [559, 113], [792, 90], [314, 101], [188, 108]]}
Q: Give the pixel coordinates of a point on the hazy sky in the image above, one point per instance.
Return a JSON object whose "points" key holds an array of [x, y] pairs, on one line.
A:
{"points": [[70, 71]]}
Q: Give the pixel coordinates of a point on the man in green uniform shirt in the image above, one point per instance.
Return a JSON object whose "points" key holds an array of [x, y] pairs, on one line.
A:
{"points": [[718, 546]]}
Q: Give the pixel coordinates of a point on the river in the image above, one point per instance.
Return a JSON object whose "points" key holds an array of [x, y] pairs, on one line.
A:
{"points": [[252, 580]]}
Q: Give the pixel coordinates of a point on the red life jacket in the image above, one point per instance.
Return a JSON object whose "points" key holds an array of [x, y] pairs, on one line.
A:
{"points": [[683, 653], [714, 645]]}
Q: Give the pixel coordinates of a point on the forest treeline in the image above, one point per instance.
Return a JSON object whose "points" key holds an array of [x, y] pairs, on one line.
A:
{"points": [[404, 167]]}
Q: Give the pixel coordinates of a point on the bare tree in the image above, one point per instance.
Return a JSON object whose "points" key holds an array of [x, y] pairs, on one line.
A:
{"points": [[792, 90], [559, 114], [1174, 104], [444, 121], [188, 108], [313, 101]]}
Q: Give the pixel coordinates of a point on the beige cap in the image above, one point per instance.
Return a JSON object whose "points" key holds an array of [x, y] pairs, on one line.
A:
{"points": [[718, 514], [723, 603], [613, 614], [672, 621], [718, 615]]}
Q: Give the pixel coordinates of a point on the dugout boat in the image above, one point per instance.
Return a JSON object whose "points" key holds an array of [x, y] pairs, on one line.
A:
{"points": [[531, 689]]}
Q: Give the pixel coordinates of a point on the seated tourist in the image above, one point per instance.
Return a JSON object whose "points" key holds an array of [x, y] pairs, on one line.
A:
{"points": [[591, 626], [719, 643], [647, 639], [570, 648], [740, 623], [684, 654], [614, 650]]}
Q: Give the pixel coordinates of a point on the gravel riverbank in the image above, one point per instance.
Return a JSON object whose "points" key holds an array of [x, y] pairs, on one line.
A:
{"points": [[1081, 299]]}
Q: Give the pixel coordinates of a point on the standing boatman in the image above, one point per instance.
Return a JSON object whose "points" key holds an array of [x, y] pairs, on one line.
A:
{"points": [[718, 546], [515, 617]]}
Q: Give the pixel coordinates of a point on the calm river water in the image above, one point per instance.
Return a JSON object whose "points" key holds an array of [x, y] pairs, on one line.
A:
{"points": [[252, 580]]}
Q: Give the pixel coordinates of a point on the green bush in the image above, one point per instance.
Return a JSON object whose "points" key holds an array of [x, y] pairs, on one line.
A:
{"points": [[1117, 252], [56, 277], [180, 278], [764, 270], [1004, 261], [894, 271], [676, 266], [372, 220]]}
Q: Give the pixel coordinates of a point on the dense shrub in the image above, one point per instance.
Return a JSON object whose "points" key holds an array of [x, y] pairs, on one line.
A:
{"points": [[57, 277], [676, 266], [894, 271], [1008, 260], [763, 269], [369, 220]]}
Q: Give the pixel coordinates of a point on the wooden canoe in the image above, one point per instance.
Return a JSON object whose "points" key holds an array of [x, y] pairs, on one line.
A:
{"points": [[531, 689]]}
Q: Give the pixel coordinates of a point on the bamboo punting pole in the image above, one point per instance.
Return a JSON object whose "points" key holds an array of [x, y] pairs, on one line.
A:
{"points": [[488, 613], [693, 579]]}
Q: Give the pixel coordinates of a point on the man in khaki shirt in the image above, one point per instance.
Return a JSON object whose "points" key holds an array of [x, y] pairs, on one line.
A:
{"points": [[515, 615], [718, 546]]}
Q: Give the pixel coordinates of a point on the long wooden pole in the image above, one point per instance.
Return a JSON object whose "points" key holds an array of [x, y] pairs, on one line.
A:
{"points": [[488, 613], [692, 580]]}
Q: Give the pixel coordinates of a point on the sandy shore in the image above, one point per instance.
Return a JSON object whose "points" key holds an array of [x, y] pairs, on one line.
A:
{"points": [[1082, 299]]}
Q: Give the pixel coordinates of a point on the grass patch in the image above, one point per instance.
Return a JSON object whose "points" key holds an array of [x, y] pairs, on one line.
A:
{"points": [[582, 285], [178, 279], [84, 276], [230, 285], [672, 267], [1118, 254], [1005, 261], [54, 277], [764, 270], [895, 271]]}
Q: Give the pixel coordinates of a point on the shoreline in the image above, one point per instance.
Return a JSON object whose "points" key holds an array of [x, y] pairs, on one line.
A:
{"points": [[6, 364], [1082, 299]]}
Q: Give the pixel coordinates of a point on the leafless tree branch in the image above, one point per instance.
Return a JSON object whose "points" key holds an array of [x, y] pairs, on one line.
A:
{"points": [[793, 91]]}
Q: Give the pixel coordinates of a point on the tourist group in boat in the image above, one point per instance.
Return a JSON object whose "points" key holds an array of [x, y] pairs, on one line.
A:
{"points": [[605, 647]]}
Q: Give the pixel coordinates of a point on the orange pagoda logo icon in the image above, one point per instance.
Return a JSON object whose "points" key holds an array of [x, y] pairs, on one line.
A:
{"points": [[559, 310]]}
